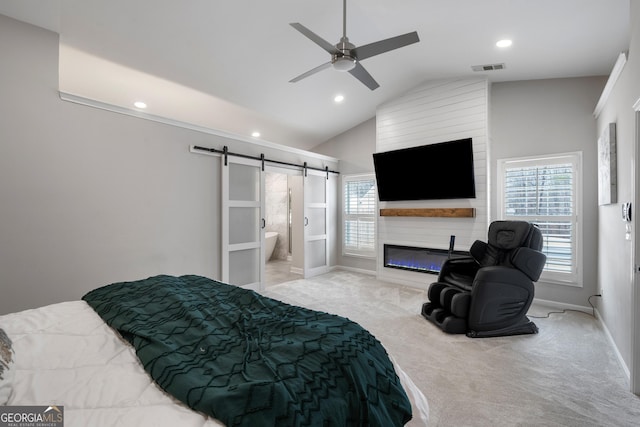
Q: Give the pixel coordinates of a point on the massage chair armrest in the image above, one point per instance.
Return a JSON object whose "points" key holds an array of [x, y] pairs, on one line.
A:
{"points": [[498, 296], [478, 249], [500, 276], [529, 261], [458, 262], [459, 272]]}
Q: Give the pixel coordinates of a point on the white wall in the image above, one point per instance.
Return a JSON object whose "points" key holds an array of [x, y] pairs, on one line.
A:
{"points": [[89, 197], [540, 117], [615, 263], [437, 111]]}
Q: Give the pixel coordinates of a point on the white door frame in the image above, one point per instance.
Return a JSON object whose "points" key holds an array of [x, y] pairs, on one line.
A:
{"points": [[634, 370]]}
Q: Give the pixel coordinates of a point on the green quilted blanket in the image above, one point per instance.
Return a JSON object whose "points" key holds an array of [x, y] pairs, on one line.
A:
{"points": [[249, 360]]}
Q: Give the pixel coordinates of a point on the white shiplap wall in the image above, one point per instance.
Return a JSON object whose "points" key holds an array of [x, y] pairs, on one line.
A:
{"points": [[437, 111]]}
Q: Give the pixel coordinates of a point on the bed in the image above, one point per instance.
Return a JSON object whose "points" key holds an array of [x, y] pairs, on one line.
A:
{"points": [[192, 351]]}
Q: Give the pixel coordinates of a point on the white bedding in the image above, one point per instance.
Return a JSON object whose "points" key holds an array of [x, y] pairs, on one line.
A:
{"points": [[66, 355]]}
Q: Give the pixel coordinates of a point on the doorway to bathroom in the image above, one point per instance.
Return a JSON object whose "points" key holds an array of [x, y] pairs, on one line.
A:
{"points": [[283, 225]]}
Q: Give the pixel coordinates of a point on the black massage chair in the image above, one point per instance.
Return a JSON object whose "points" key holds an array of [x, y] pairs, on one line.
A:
{"points": [[489, 293]]}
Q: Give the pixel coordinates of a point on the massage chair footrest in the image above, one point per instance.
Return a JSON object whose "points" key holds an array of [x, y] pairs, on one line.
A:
{"points": [[443, 319]]}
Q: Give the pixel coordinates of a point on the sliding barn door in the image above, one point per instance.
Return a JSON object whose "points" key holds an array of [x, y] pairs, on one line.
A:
{"points": [[316, 243], [242, 222]]}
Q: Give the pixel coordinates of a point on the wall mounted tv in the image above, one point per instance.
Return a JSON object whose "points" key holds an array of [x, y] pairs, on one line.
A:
{"points": [[428, 172]]}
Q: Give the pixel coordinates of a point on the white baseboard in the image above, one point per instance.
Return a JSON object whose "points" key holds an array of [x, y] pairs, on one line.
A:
{"points": [[589, 310], [356, 270], [563, 306], [621, 361]]}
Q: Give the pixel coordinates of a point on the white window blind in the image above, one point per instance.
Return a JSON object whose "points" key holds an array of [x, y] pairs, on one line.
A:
{"points": [[359, 215], [544, 191]]}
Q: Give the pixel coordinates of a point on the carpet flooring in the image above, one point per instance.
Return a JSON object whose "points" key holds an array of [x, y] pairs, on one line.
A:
{"points": [[566, 375]]}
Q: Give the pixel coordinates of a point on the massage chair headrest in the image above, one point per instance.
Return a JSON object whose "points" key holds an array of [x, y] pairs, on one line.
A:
{"points": [[508, 235]]}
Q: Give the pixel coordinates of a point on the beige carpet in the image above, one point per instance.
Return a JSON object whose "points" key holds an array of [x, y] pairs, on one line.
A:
{"points": [[566, 375]]}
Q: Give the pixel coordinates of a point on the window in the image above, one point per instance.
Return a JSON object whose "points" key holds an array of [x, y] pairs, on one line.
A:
{"points": [[545, 191], [359, 215]]}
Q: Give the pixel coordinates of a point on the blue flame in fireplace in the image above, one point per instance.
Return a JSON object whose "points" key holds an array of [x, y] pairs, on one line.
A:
{"points": [[413, 264], [425, 260]]}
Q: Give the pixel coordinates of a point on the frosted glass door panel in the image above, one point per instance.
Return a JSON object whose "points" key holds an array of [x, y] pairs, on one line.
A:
{"points": [[244, 267], [317, 221], [244, 225], [316, 188], [244, 182], [317, 254]]}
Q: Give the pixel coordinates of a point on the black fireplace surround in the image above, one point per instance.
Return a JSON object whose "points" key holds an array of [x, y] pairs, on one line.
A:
{"points": [[423, 260]]}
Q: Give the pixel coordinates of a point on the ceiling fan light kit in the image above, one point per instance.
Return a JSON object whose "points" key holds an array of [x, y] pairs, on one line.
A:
{"points": [[346, 57], [343, 63]]}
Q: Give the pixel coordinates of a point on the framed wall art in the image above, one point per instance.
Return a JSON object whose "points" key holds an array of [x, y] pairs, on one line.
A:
{"points": [[607, 169]]}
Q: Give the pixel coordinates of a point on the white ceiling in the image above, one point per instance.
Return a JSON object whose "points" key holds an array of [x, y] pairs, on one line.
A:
{"points": [[226, 64]]}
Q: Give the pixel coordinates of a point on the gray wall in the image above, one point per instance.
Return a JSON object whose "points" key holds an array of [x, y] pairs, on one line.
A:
{"points": [[354, 148], [89, 197], [537, 117], [615, 262]]}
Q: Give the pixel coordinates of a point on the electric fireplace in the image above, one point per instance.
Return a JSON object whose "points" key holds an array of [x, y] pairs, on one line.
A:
{"points": [[423, 260]]}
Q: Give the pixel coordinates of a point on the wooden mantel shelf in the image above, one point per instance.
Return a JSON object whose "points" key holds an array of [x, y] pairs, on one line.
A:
{"points": [[431, 212]]}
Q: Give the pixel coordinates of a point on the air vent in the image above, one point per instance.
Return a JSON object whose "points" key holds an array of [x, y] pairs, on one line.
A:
{"points": [[488, 67]]}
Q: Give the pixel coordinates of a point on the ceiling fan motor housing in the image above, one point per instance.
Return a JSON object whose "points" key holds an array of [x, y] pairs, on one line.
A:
{"points": [[342, 60]]}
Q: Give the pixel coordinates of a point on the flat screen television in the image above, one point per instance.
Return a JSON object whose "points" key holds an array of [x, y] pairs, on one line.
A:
{"points": [[428, 172]]}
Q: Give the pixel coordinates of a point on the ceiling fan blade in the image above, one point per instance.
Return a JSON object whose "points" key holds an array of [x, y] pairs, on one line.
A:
{"points": [[363, 75], [310, 72], [382, 46], [315, 38]]}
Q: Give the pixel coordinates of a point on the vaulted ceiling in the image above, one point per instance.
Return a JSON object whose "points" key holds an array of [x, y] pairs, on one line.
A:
{"points": [[226, 65]]}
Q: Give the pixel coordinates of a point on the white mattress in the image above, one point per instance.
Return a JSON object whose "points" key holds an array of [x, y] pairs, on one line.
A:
{"points": [[66, 355]]}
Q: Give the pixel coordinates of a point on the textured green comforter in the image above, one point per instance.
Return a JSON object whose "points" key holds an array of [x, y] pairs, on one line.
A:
{"points": [[248, 360]]}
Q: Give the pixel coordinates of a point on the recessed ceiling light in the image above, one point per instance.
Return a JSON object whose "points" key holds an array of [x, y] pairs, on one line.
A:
{"points": [[255, 134], [338, 99], [504, 43], [140, 104]]}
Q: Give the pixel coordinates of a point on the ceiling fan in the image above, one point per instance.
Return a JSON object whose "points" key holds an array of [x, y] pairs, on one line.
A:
{"points": [[346, 56]]}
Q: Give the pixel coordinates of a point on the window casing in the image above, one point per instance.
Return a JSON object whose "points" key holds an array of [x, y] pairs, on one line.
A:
{"points": [[359, 215], [545, 191]]}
